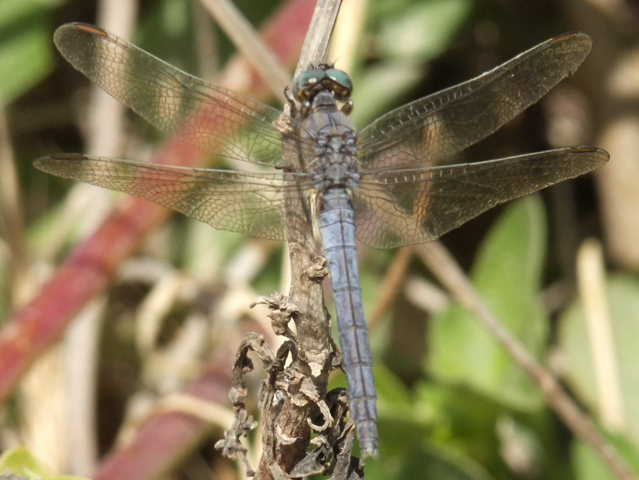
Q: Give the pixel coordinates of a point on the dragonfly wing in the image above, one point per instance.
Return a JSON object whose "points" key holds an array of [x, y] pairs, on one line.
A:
{"points": [[403, 207], [244, 202], [219, 121], [453, 119]]}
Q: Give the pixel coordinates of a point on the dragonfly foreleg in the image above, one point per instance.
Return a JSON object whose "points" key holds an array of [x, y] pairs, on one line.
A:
{"points": [[347, 107], [290, 99]]}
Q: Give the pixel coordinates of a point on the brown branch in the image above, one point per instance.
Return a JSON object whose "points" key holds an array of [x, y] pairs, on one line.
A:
{"points": [[105, 137], [300, 388], [439, 261], [316, 44], [315, 350], [292, 396], [206, 42], [11, 214]]}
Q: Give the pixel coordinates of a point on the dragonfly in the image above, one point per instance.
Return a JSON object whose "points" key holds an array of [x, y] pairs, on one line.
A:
{"points": [[394, 183]]}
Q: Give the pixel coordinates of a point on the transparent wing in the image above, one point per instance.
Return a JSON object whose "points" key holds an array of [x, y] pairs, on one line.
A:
{"points": [[403, 207], [220, 122], [425, 132], [244, 202]]}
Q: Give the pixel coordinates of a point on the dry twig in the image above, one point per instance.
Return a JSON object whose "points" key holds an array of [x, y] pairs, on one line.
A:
{"points": [[249, 43], [591, 278], [11, 214]]}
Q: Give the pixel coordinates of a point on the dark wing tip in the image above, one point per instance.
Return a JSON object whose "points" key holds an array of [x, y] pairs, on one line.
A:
{"points": [[85, 27], [599, 153], [572, 36], [578, 43], [582, 40], [74, 29]]}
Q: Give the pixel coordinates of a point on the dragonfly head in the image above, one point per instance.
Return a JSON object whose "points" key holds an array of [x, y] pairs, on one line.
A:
{"points": [[322, 78]]}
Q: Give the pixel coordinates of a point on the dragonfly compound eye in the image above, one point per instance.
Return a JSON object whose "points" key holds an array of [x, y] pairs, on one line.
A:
{"points": [[341, 83], [306, 83]]}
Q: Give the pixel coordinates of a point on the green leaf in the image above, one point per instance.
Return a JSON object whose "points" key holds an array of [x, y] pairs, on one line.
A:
{"points": [[20, 461], [409, 456], [410, 34], [168, 33], [623, 306], [423, 30], [460, 420], [380, 85], [394, 398], [25, 58], [12, 12], [507, 275]]}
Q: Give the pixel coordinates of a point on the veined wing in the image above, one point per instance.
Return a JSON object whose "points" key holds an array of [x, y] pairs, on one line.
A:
{"points": [[244, 202], [220, 121], [424, 132], [403, 207]]}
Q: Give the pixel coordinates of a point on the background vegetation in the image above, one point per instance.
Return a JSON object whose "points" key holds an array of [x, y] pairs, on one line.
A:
{"points": [[453, 404]]}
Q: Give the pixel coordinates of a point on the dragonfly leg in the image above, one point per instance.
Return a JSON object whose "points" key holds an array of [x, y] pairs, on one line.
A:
{"points": [[347, 107], [290, 99]]}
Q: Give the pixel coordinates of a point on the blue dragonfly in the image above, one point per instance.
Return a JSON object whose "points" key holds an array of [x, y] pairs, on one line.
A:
{"points": [[393, 183]]}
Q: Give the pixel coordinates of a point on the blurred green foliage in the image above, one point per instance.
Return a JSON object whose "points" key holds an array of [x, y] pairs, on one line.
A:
{"points": [[410, 34], [26, 51], [507, 274], [20, 461]]}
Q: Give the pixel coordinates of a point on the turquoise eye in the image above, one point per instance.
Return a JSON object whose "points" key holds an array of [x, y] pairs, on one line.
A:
{"points": [[309, 78], [341, 78]]}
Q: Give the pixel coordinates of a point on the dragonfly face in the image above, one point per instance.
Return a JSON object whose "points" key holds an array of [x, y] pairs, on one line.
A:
{"points": [[391, 185], [324, 78]]}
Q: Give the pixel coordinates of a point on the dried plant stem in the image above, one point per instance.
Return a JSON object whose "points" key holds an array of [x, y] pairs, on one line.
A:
{"points": [[391, 286], [213, 413], [291, 395], [105, 114], [287, 426], [104, 137], [592, 290], [348, 31], [439, 261], [11, 213], [206, 43], [249, 43], [316, 44]]}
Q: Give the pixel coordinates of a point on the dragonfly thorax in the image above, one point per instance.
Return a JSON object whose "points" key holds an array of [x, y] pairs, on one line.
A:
{"points": [[335, 165]]}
